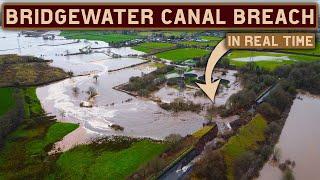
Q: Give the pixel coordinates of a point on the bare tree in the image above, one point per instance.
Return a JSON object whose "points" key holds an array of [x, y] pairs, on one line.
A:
{"points": [[70, 73], [92, 92], [174, 141], [288, 175], [173, 138], [276, 154]]}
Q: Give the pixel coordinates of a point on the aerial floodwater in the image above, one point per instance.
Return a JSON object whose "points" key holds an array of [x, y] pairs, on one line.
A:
{"points": [[299, 141], [140, 117]]}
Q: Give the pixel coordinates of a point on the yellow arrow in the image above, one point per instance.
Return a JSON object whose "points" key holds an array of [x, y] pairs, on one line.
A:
{"points": [[210, 88]]}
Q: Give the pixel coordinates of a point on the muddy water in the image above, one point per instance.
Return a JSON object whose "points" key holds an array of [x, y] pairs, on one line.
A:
{"points": [[263, 58], [139, 117], [169, 94], [299, 141], [54, 50]]}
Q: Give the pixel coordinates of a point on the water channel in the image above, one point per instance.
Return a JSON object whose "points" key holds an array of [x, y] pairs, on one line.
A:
{"points": [[299, 141]]}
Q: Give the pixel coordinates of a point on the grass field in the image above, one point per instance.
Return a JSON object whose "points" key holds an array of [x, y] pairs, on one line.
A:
{"points": [[145, 33], [203, 131], [211, 38], [245, 140], [269, 65], [148, 47], [98, 36], [54, 133], [180, 55], [268, 60], [24, 153], [27, 71], [86, 162], [158, 65], [7, 101], [199, 44]]}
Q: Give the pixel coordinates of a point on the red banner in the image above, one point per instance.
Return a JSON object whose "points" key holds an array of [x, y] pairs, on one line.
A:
{"points": [[160, 16]]}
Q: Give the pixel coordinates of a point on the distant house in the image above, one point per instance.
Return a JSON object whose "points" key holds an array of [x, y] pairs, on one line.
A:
{"points": [[224, 127], [190, 75], [202, 78], [116, 55], [48, 36], [172, 76], [190, 63], [86, 50], [86, 104], [32, 33]]}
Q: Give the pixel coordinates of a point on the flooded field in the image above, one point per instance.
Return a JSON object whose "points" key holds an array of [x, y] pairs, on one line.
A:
{"points": [[299, 141], [139, 117], [168, 94], [56, 49]]}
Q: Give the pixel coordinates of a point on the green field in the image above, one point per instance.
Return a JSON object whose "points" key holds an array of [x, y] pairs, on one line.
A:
{"points": [[315, 51], [32, 105], [268, 60], [98, 36], [7, 101], [86, 162], [180, 55], [199, 44], [145, 33], [247, 139], [158, 65], [211, 38], [148, 47]]}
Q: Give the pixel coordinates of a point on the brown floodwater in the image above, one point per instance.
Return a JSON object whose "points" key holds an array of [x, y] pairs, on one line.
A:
{"points": [[299, 141], [169, 94]]}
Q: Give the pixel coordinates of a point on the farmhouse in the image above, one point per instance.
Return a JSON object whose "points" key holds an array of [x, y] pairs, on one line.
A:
{"points": [[265, 16], [48, 36]]}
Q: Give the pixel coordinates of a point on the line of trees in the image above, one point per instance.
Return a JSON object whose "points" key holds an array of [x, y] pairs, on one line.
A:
{"points": [[304, 76], [202, 62], [11, 119]]}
